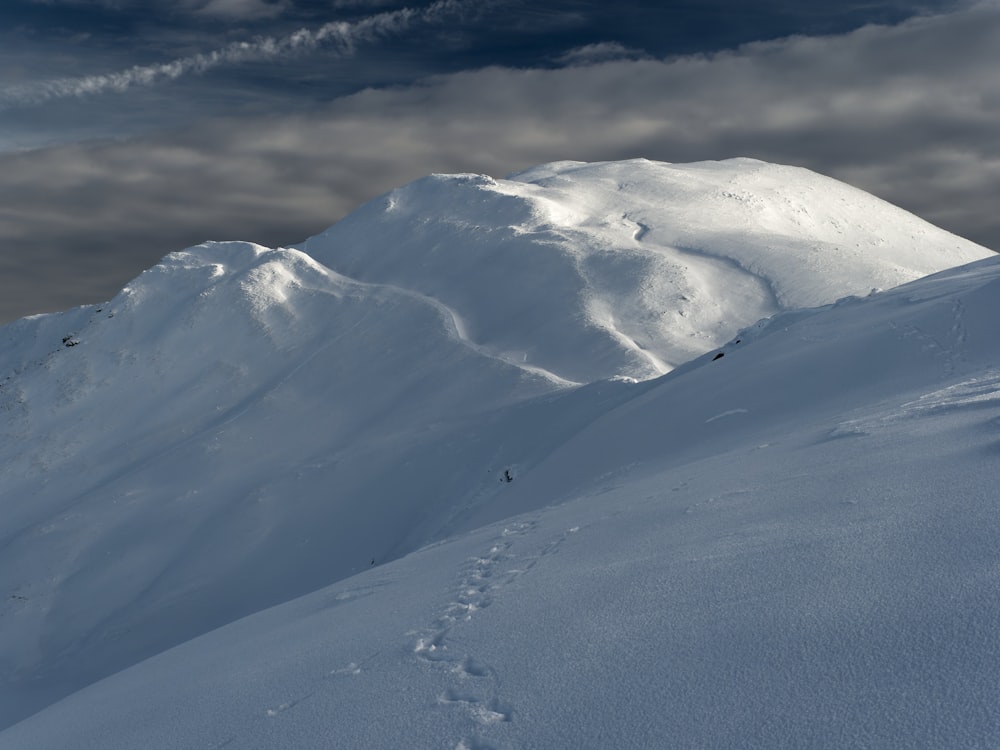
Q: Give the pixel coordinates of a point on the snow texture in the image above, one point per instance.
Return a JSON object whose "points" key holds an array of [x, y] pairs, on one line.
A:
{"points": [[467, 471]]}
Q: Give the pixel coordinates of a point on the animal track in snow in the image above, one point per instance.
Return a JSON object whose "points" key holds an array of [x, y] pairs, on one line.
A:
{"points": [[485, 712], [474, 683], [472, 668], [432, 647]]}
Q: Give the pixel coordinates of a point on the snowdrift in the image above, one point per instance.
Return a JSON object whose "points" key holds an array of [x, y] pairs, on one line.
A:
{"points": [[795, 536]]}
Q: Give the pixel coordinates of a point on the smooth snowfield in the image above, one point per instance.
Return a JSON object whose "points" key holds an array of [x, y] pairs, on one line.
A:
{"points": [[241, 426]]}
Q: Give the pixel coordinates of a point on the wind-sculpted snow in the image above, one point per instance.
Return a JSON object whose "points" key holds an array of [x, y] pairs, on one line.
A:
{"points": [[630, 268], [244, 425], [791, 546]]}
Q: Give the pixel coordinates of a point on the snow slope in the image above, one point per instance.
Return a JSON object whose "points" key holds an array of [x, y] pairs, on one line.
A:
{"points": [[793, 546], [241, 426]]}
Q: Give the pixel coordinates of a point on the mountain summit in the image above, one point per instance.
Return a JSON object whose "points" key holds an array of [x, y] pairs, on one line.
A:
{"points": [[587, 271], [402, 419]]}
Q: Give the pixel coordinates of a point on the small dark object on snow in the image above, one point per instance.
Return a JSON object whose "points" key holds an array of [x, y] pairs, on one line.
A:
{"points": [[506, 476], [373, 561], [720, 355]]}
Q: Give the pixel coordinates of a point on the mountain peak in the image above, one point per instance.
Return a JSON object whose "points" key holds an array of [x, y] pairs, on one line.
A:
{"points": [[242, 425], [630, 268]]}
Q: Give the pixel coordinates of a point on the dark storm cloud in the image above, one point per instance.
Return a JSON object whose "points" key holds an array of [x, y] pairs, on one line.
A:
{"points": [[340, 36], [193, 58], [250, 8], [909, 112], [239, 9]]}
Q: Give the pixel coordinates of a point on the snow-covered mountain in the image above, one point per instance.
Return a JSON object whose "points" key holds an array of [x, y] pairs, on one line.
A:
{"points": [[630, 268], [441, 423]]}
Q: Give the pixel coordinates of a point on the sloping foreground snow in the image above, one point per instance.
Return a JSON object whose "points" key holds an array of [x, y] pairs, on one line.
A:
{"points": [[241, 425], [793, 546]]}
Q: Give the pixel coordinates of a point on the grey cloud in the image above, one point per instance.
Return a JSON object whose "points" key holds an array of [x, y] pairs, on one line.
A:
{"points": [[340, 36], [591, 54], [909, 112]]}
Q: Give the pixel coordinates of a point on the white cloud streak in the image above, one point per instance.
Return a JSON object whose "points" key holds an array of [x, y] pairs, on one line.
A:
{"points": [[591, 54], [341, 37]]}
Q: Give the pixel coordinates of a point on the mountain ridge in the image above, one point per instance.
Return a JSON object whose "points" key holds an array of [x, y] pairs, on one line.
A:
{"points": [[243, 425], [824, 576]]}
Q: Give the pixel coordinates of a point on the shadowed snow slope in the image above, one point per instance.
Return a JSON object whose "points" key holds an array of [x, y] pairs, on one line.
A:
{"points": [[241, 426], [794, 546]]}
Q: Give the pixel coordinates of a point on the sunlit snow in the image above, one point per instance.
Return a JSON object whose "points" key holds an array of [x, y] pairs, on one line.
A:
{"points": [[422, 481]]}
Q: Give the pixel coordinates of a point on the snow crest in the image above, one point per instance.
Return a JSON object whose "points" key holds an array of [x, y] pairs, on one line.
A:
{"points": [[589, 271], [242, 426]]}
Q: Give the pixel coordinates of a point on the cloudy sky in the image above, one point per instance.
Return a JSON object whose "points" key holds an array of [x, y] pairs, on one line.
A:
{"points": [[130, 128]]}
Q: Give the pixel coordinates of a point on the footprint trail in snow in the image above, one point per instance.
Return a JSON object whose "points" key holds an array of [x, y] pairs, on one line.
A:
{"points": [[475, 685]]}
